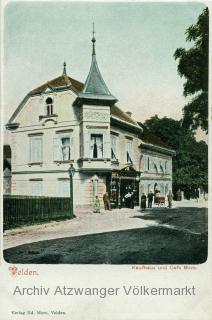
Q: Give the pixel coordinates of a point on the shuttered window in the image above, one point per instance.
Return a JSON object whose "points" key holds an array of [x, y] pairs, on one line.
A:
{"points": [[36, 149], [64, 188], [113, 147], [36, 188], [63, 148], [129, 151]]}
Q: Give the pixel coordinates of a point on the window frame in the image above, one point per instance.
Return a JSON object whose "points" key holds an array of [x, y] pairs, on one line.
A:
{"points": [[113, 152], [59, 147], [100, 135], [129, 151], [32, 157]]}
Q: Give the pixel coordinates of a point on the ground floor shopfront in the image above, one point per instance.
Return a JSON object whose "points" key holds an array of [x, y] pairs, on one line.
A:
{"points": [[88, 185]]}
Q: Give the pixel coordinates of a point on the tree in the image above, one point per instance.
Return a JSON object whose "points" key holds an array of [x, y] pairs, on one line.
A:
{"points": [[190, 165], [193, 66]]}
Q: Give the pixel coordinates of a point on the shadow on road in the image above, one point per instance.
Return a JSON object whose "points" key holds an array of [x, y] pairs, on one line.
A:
{"points": [[152, 245], [184, 218]]}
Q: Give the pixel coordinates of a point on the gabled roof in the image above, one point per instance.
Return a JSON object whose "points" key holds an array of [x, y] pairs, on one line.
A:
{"points": [[117, 112], [65, 82], [59, 83]]}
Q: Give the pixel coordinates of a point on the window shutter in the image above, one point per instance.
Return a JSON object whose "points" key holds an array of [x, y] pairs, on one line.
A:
{"points": [[57, 149], [36, 188], [72, 151], [106, 146], [32, 150], [87, 145], [113, 145], [64, 188], [36, 149]]}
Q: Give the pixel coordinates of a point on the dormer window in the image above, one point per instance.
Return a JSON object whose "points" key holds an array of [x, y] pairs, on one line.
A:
{"points": [[49, 106]]}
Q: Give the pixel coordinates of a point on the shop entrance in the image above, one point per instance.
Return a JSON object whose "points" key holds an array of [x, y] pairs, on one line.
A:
{"points": [[122, 182]]}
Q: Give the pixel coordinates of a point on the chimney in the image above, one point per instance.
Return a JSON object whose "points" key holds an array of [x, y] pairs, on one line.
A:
{"points": [[129, 113]]}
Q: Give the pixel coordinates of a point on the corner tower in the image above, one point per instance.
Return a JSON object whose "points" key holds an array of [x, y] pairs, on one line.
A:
{"points": [[95, 89], [95, 101]]}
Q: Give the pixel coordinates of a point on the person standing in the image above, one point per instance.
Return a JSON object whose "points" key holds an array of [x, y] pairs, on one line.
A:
{"points": [[132, 201], [143, 201], [170, 198], [150, 199], [106, 201], [96, 205], [157, 197], [127, 199]]}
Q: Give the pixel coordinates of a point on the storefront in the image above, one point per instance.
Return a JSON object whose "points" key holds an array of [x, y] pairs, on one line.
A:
{"points": [[122, 182]]}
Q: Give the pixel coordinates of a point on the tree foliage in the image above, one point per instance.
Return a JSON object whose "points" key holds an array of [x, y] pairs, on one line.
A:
{"points": [[193, 66], [190, 165]]}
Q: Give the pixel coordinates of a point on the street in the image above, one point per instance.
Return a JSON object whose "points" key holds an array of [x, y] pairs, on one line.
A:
{"points": [[124, 236]]}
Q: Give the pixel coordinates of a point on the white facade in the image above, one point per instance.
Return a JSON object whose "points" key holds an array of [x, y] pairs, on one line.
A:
{"points": [[55, 126]]}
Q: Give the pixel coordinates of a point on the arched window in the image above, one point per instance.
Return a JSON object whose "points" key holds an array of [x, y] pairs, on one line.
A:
{"points": [[49, 106]]}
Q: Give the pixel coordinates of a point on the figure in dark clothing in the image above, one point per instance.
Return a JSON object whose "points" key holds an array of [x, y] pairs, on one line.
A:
{"points": [[106, 201], [132, 201], [143, 201], [150, 199], [127, 200]]}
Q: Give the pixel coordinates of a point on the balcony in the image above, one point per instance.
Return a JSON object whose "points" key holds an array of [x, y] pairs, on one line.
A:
{"points": [[94, 164]]}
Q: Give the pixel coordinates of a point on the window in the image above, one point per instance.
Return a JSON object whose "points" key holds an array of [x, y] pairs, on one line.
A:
{"points": [[63, 150], [66, 148], [113, 148], [36, 149], [129, 151], [96, 146], [49, 106], [64, 188], [36, 188]]}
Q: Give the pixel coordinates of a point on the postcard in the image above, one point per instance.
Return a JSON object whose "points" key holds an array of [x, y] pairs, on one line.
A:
{"points": [[105, 189]]}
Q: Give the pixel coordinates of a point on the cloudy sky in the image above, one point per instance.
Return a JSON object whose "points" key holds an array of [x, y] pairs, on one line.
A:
{"points": [[135, 47]]}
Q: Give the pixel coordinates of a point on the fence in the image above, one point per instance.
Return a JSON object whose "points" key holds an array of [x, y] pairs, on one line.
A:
{"points": [[26, 210]]}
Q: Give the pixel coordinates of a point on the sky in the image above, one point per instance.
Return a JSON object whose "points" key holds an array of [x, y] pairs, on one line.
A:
{"points": [[135, 43]]}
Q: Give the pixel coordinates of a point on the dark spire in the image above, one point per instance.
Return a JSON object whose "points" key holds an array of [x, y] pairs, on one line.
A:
{"points": [[93, 40], [64, 69], [95, 87]]}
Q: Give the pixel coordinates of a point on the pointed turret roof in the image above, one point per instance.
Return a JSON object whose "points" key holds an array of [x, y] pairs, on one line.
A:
{"points": [[95, 87]]}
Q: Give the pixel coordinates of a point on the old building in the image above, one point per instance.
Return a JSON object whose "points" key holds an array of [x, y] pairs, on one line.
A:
{"points": [[63, 122]]}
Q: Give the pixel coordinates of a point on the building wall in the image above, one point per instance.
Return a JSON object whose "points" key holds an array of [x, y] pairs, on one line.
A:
{"points": [[156, 167], [51, 184], [122, 138], [49, 176]]}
